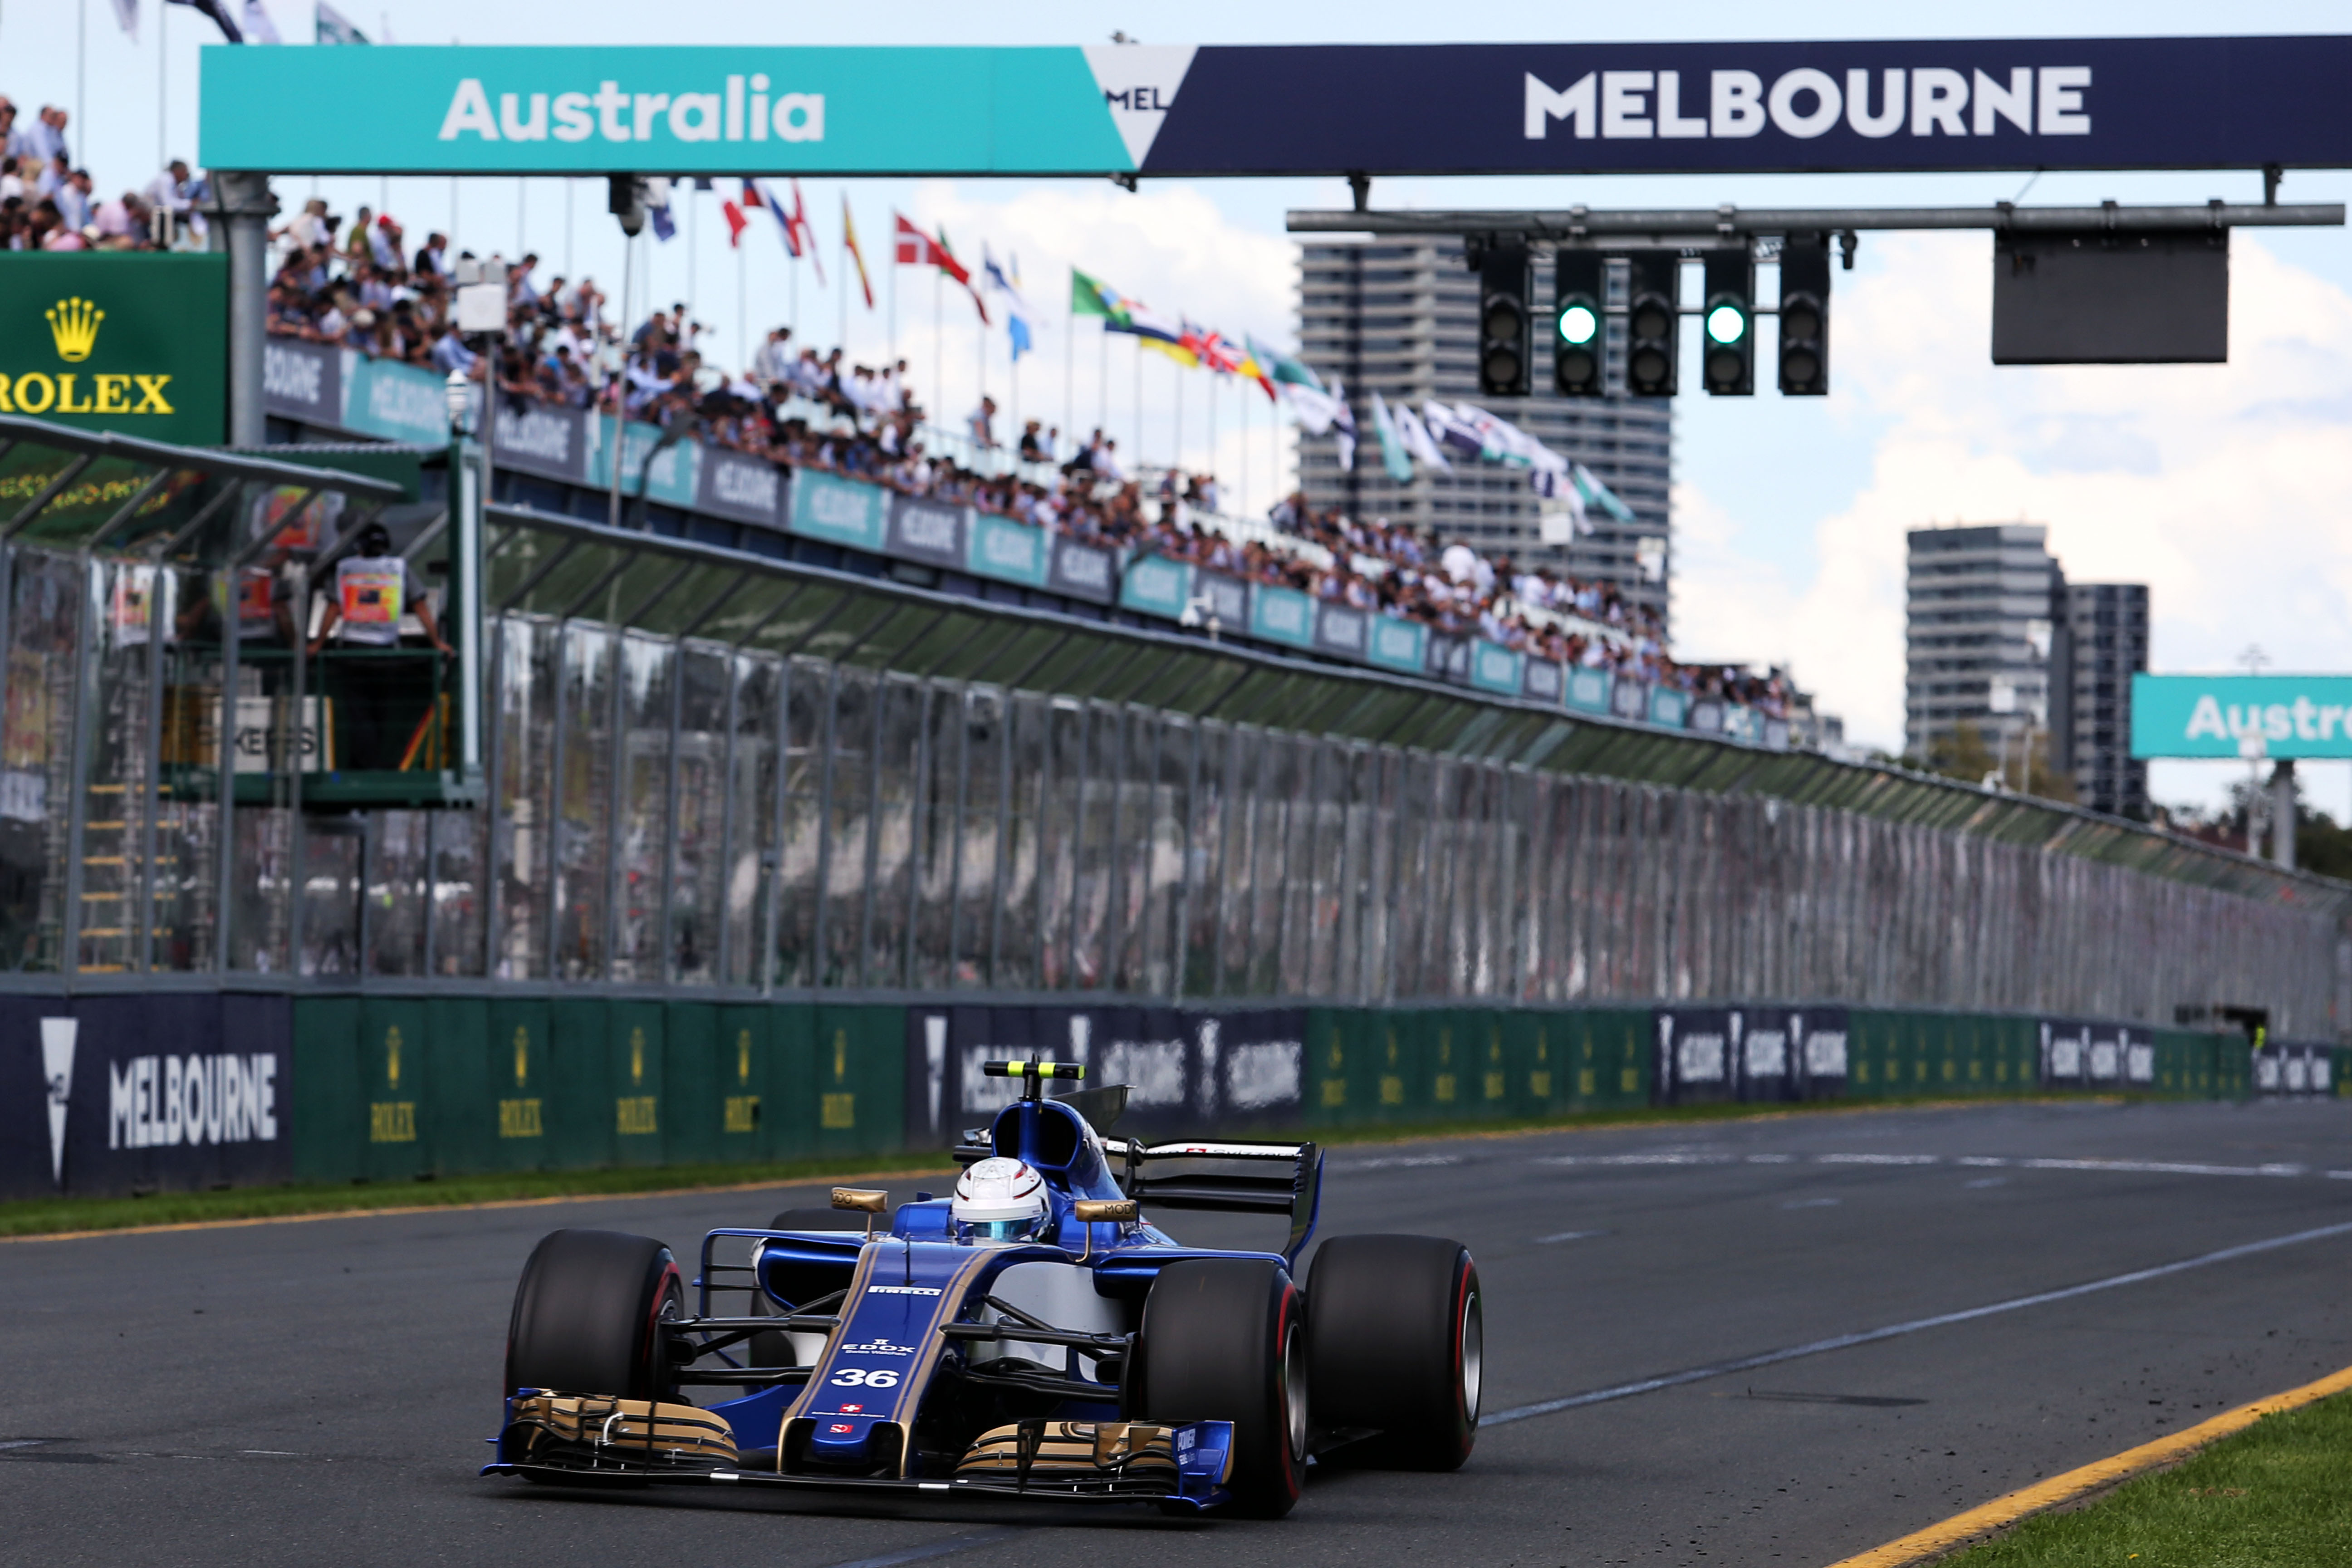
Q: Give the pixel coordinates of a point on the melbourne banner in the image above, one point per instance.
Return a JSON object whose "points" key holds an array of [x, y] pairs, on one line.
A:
{"points": [[1877, 106], [2249, 716], [110, 1095]]}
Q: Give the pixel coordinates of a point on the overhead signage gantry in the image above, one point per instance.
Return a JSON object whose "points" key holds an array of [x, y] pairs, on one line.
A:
{"points": [[2117, 285], [1901, 106]]}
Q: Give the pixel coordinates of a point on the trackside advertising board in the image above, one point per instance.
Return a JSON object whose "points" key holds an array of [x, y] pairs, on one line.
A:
{"points": [[1871, 106], [123, 342], [2285, 716]]}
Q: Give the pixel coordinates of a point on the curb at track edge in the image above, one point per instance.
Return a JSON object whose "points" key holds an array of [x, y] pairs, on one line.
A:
{"points": [[1965, 1529]]}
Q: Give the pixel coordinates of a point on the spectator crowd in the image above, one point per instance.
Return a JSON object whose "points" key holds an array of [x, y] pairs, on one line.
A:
{"points": [[359, 285], [48, 203]]}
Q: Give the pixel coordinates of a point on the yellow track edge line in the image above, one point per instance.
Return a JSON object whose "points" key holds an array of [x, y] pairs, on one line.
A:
{"points": [[308, 1216], [1962, 1528]]}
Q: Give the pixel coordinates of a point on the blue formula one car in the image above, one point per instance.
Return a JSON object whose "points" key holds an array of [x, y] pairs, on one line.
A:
{"points": [[1036, 1335]]}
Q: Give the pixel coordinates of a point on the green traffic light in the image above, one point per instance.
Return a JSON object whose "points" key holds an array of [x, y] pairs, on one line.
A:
{"points": [[1727, 323], [1579, 324]]}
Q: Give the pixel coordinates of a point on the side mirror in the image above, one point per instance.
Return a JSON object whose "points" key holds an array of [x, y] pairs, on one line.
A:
{"points": [[1094, 1211], [866, 1200]]}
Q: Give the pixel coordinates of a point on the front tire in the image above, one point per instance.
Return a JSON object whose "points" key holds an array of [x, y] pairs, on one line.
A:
{"points": [[1397, 1335], [587, 1315], [1224, 1339]]}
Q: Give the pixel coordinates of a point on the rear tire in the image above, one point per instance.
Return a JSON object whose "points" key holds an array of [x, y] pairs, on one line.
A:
{"points": [[587, 1314], [1396, 1336], [1224, 1339]]}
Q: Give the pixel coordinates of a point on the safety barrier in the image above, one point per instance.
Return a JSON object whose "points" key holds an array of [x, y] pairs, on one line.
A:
{"points": [[260, 1088]]}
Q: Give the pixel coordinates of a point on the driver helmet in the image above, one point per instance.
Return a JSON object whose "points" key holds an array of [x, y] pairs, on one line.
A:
{"points": [[999, 1200]]}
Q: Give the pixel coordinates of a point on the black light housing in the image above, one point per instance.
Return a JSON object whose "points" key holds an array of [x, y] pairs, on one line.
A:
{"points": [[1727, 325], [1578, 327], [1503, 320], [1652, 324], [1805, 316]]}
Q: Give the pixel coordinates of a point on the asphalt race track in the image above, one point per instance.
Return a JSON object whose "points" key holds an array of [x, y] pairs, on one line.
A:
{"points": [[318, 1392]]}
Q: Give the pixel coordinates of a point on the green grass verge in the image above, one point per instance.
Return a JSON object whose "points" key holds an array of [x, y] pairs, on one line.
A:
{"points": [[2276, 1495], [42, 1216]]}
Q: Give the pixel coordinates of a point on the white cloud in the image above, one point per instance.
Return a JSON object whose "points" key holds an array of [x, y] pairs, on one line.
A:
{"points": [[2221, 486]]}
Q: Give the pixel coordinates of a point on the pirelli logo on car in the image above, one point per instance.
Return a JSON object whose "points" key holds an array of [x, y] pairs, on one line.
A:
{"points": [[902, 1289]]}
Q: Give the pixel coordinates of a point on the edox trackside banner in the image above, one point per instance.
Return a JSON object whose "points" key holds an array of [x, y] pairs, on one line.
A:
{"points": [[2079, 103]]}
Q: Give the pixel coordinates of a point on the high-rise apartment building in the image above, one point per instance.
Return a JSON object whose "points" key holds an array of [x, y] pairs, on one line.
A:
{"points": [[1977, 641], [2101, 643], [1399, 318], [1998, 639]]}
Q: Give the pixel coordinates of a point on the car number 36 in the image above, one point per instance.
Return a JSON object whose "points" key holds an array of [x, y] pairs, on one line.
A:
{"points": [[856, 1377]]}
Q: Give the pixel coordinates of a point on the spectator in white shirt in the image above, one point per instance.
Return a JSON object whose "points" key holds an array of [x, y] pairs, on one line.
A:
{"points": [[981, 423], [72, 197], [13, 143], [169, 191], [774, 360], [46, 138], [383, 244]]}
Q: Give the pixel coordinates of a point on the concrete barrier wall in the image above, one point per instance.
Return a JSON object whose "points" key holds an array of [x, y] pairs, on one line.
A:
{"points": [[110, 1095]]}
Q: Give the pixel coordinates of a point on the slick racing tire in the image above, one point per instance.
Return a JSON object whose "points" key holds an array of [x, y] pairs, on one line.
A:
{"points": [[1224, 1340], [1395, 1339], [772, 1349], [587, 1315]]}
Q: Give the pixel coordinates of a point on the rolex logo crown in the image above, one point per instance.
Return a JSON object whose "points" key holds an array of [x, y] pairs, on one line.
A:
{"points": [[74, 324]]}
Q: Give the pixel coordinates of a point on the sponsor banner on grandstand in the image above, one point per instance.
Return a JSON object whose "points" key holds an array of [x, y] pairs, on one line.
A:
{"points": [[1186, 1070], [2285, 716], [1081, 571], [540, 439], [1155, 585], [1493, 667], [118, 341], [1668, 706], [1544, 681], [1007, 551], [741, 488], [838, 510], [1759, 1053], [2080, 1053], [927, 530], [1629, 698], [1776, 734], [1340, 630], [1591, 689], [1398, 644], [1172, 110], [1281, 614], [1742, 723], [109, 1095], [1707, 717], [1449, 660], [1228, 598], [2294, 1070], [393, 402], [659, 473], [303, 381]]}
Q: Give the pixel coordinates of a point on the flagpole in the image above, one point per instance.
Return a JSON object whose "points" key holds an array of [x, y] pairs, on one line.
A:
{"points": [[1176, 380], [1069, 377], [1102, 380], [1137, 458], [844, 278], [743, 308], [939, 347]]}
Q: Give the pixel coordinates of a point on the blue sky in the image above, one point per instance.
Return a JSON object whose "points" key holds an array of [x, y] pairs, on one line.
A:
{"points": [[1791, 510]]}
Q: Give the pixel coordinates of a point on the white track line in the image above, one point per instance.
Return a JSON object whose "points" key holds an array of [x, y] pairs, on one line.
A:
{"points": [[2126, 1167], [1916, 1325]]}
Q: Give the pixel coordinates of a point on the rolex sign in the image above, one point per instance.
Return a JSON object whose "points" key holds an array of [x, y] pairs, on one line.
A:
{"points": [[133, 342]]}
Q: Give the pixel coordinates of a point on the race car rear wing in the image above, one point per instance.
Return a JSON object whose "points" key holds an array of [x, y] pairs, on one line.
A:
{"points": [[1227, 1174]]}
